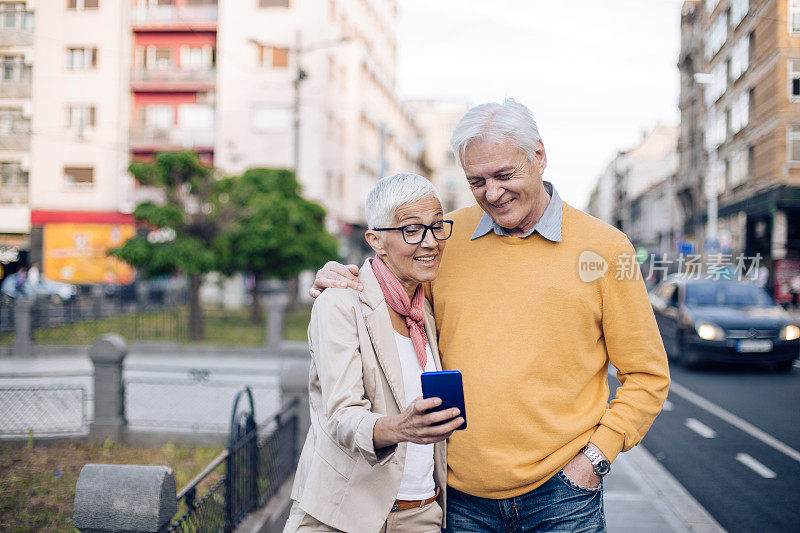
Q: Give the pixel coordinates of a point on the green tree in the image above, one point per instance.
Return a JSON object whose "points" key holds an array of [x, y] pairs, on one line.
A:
{"points": [[271, 231], [186, 216]]}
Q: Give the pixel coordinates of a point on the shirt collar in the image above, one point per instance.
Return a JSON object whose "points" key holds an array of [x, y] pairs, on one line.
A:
{"points": [[549, 226]]}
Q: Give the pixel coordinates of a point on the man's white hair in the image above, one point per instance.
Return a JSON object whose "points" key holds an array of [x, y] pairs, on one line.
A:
{"points": [[393, 191], [497, 123]]}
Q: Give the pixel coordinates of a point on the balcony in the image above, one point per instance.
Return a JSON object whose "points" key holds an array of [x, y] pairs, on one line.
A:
{"points": [[176, 18], [15, 83], [14, 194], [173, 79], [155, 139], [16, 135], [17, 27]]}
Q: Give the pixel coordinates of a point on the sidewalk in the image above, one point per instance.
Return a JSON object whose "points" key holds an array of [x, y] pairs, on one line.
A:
{"points": [[640, 495]]}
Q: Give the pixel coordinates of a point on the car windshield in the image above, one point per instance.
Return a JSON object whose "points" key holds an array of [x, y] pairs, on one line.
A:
{"points": [[726, 295]]}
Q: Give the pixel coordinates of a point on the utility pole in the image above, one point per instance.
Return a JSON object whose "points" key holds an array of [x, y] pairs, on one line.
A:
{"points": [[384, 163], [299, 77], [297, 51]]}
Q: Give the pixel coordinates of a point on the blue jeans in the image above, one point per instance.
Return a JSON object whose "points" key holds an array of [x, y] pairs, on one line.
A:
{"points": [[558, 505]]}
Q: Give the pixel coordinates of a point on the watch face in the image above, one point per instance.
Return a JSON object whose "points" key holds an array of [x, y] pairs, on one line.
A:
{"points": [[602, 468]]}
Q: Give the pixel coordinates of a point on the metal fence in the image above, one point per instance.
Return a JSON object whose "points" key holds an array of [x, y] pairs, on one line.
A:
{"points": [[192, 398], [257, 461], [79, 320], [43, 410]]}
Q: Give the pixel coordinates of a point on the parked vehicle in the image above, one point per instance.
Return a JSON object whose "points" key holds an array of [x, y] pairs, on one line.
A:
{"points": [[723, 321], [55, 291]]}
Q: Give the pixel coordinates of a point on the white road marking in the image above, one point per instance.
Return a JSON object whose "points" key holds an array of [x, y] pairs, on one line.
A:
{"points": [[734, 420], [755, 466], [668, 406], [700, 428]]}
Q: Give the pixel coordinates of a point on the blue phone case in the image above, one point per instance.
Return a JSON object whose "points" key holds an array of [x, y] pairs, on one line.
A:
{"points": [[446, 385]]}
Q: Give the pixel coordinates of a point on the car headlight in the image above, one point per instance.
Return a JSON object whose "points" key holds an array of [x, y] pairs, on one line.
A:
{"points": [[709, 332], [790, 333]]}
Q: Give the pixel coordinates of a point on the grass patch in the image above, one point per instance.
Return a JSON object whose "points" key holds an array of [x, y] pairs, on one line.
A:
{"points": [[224, 327], [38, 482]]}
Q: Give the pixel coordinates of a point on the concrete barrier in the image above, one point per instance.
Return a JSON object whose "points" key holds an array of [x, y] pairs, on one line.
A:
{"points": [[124, 498], [107, 355]]}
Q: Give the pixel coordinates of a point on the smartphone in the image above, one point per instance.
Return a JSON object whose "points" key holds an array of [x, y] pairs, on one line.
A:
{"points": [[448, 386]]}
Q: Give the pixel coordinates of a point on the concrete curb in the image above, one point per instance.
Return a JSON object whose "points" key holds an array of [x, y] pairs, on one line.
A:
{"points": [[665, 488]]}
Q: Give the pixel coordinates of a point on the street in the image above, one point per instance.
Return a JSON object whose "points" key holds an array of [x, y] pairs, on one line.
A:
{"points": [[731, 437]]}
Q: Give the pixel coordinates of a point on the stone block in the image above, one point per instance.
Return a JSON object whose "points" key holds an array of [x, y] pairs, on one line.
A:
{"points": [[124, 498]]}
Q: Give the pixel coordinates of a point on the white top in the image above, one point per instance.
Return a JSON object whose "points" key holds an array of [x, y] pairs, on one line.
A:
{"points": [[417, 482]]}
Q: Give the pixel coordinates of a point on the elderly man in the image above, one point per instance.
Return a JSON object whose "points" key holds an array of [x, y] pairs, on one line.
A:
{"points": [[533, 300]]}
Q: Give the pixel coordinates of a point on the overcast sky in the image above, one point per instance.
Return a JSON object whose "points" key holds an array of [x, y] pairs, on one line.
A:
{"points": [[595, 73]]}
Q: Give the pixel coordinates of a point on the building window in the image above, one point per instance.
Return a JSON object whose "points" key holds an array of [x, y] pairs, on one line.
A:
{"points": [[81, 58], [273, 3], [719, 83], [197, 57], [13, 68], [794, 16], [793, 143], [13, 122], [740, 112], [11, 173], [157, 116], [794, 80], [158, 58], [717, 36], [716, 130], [83, 4], [739, 9], [80, 118], [14, 17], [270, 56], [737, 168], [78, 176], [740, 57]]}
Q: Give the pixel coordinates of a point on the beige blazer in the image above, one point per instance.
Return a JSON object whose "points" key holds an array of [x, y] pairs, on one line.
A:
{"points": [[355, 378]]}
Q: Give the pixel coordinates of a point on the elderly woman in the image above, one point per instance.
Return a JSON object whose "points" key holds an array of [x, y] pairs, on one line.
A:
{"points": [[374, 458]]}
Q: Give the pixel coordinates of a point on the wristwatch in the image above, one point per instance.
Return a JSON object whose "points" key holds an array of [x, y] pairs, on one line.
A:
{"points": [[599, 464]]}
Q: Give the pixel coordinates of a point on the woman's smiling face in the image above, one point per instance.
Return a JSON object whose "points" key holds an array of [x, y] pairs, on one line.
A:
{"points": [[411, 264]]}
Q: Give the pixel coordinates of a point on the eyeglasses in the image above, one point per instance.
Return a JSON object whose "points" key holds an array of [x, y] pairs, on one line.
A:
{"points": [[415, 233]]}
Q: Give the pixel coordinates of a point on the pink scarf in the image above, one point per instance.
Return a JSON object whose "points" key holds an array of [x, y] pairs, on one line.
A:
{"points": [[397, 298]]}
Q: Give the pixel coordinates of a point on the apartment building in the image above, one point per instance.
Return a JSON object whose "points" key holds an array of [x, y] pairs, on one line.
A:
{"points": [[637, 191], [80, 191], [173, 77], [311, 84], [689, 190], [750, 78], [89, 85], [16, 51]]}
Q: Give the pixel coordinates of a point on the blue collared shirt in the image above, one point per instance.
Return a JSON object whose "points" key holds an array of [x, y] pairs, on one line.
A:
{"points": [[549, 226]]}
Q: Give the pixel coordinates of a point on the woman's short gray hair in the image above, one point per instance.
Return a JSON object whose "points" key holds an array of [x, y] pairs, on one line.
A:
{"points": [[393, 191], [509, 121]]}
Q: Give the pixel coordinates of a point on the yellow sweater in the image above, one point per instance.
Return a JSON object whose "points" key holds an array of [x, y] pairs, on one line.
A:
{"points": [[533, 342]]}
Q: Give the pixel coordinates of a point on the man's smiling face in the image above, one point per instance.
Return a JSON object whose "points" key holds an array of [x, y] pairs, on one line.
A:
{"points": [[506, 185]]}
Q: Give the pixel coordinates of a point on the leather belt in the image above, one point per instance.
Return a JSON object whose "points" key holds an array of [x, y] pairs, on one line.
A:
{"points": [[402, 505]]}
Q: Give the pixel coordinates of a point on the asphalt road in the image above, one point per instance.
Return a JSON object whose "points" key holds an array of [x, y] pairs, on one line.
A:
{"points": [[731, 437]]}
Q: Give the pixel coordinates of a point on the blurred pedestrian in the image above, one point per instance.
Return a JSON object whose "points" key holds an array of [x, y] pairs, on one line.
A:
{"points": [[762, 276], [21, 282], [794, 289], [34, 275]]}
